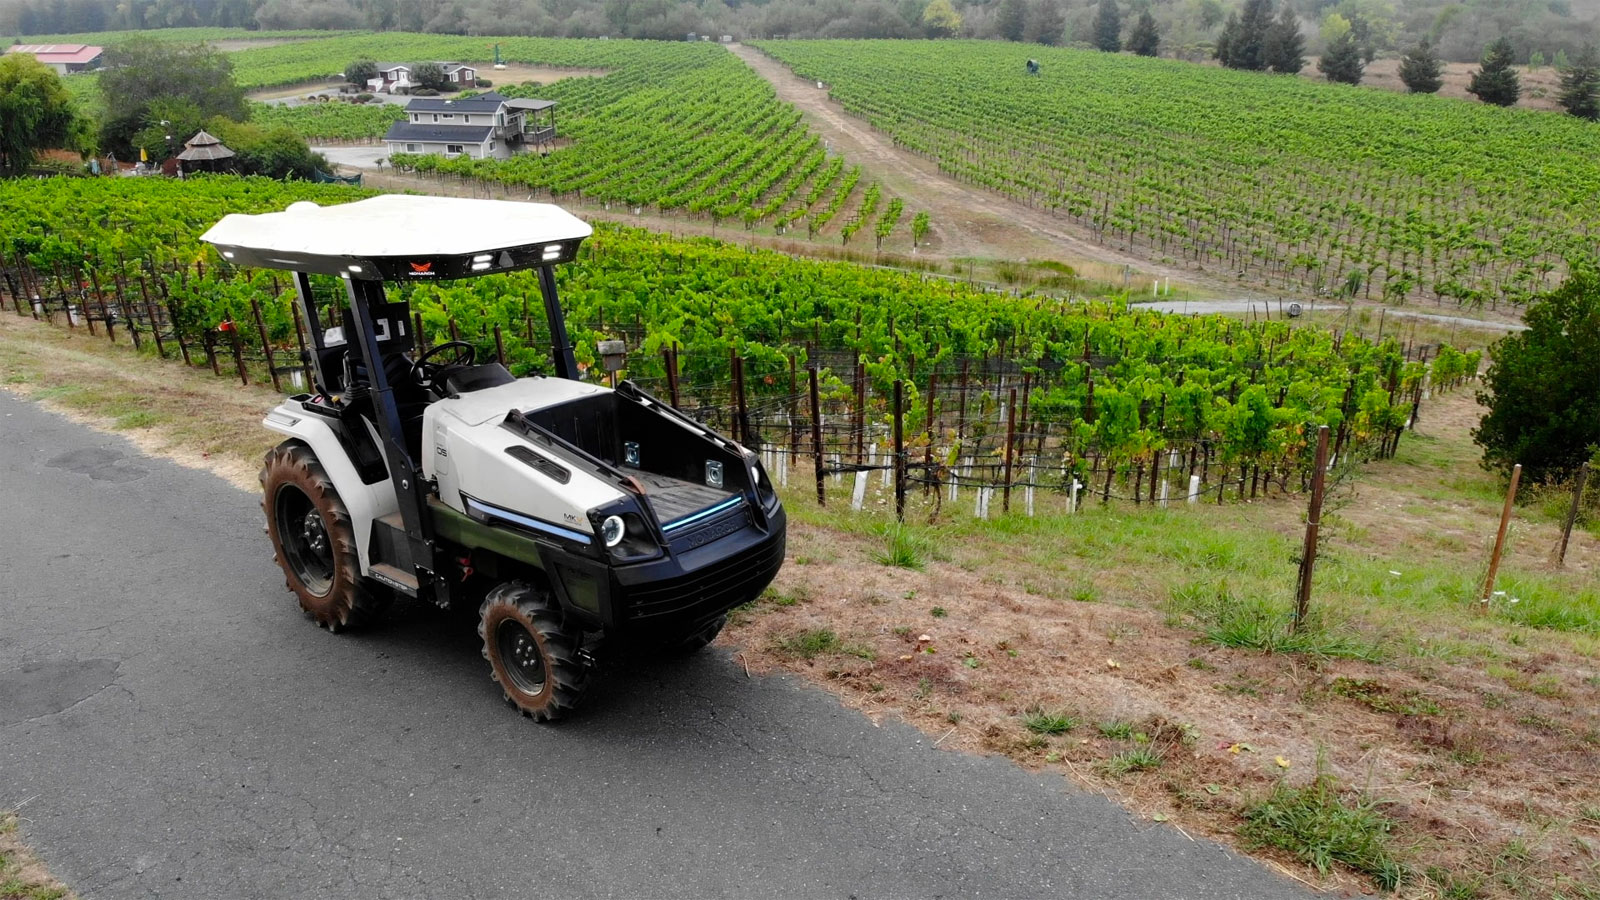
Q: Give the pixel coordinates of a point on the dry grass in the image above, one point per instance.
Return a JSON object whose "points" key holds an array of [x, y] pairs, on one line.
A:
{"points": [[166, 409], [1474, 733], [22, 876]]}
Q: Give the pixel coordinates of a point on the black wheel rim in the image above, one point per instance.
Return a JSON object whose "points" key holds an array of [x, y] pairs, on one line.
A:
{"points": [[520, 655], [307, 546]]}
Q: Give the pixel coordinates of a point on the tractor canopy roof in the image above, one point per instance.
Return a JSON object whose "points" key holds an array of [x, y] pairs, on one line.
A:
{"points": [[402, 238]]}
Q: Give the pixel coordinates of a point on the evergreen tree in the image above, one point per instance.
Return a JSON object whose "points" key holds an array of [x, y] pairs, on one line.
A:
{"points": [[1420, 69], [1045, 23], [1580, 86], [1012, 19], [1224, 50], [1285, 47], [1495, 81], [1246, 37], [1145, 39], [1342, 61], [1108, 27]]}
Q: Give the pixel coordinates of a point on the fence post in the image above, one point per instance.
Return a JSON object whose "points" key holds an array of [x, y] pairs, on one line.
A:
{"points": [[961, 412], [1572, 514], [794, 393], [1308, 557], [455, 335], [672, 375], [899, 452], [266, 345], [1011, 440], [1500, 536], [816, 435], [499, 345], [929, 411], [742, 426], [861, 409], [155, 320], [238, 352]]}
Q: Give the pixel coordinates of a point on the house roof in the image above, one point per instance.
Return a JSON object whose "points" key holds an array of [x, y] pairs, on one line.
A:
{"points": [[530, 104], [456, 67], [483, 103], [439, 134], [391, 66], [59, 53]]}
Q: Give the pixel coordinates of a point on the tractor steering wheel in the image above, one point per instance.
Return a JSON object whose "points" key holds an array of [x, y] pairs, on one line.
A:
{"points": [[427, 373]]}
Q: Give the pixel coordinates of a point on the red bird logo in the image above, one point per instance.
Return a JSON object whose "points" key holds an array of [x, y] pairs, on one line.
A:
{"points": [[421, 268]]}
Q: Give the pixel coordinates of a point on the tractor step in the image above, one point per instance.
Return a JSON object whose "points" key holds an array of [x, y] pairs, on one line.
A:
{"points": [[405, 582]]}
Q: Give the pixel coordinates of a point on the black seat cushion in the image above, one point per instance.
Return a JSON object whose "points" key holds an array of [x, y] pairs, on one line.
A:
{"points": [[475, 378]]}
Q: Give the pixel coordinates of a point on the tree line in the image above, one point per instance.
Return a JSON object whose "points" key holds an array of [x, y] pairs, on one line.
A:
{"points": [[1455, 29]]}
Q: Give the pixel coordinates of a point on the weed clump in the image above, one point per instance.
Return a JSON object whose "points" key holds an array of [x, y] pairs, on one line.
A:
{"points": [[1040, 722], [1318, 826]]}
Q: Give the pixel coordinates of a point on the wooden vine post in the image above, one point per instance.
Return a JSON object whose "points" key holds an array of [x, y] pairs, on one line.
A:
{"points": [[266, 345], [899, 452], [816, 435], [1011, 441], [1500, 537], [1572, 514], [1308, 556]]}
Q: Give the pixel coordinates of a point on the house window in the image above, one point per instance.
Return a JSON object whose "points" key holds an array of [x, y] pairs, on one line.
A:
{"points": [[491, 146], [452, 148], [436, 117], [449, 116], [467, 119], [413, 148]]}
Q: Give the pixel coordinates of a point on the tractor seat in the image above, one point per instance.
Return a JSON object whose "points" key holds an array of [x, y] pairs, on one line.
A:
{"points": [[467, 379]]}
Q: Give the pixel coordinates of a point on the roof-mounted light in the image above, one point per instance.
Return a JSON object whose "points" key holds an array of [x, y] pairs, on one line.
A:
{"points": [[552, 251]]}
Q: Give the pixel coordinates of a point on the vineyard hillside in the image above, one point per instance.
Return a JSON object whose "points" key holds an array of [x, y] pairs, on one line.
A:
{"points": [[1287, 183]]}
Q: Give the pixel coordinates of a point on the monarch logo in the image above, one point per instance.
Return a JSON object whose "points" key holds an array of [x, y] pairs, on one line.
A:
{"points": [[422, 268]]}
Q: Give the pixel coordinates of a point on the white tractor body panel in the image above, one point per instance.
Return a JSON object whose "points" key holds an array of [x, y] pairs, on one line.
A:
{"points": [[465, 453], [365, 502]]}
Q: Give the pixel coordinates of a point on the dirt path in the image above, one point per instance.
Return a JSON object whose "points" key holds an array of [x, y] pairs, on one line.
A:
{"points": [[967, 221]]}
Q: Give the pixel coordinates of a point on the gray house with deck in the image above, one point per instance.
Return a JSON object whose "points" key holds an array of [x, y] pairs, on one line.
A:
{"points": [[488, 126]]}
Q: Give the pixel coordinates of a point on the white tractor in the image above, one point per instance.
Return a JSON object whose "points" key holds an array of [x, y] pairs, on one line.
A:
{"points": [[575, 515]]}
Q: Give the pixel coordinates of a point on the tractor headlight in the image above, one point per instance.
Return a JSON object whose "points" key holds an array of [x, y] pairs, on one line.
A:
{"points": [[612, 530]]}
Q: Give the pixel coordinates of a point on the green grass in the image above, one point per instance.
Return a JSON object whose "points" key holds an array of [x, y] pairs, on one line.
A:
{"points": [[1116, 730], [1321, 828], [1139, 759], [904, 548], [1041, 722], [1260, 624], [814, 642]]}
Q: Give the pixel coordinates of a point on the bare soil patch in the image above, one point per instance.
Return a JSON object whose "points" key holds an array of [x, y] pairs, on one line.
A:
{"points": [[518, 73]]}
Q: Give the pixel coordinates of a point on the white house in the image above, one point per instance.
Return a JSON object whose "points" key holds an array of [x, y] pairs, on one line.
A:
{"points": [[482, 127], [394, 78]]}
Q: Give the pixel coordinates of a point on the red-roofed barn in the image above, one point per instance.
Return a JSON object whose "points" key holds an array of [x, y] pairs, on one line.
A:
{"points": [[64, 58]]}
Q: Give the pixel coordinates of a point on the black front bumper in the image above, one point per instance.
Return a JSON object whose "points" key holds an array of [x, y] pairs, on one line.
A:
{"points": [[678, 592]]}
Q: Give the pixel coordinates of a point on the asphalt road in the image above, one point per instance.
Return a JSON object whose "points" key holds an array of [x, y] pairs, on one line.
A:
{"points": [[175, 728]]}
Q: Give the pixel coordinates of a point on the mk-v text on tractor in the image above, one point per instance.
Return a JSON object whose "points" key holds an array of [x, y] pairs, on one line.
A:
{"points": [[575, 515]]}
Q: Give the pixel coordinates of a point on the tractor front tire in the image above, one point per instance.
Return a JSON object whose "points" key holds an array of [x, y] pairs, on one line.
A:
{"points": [[532, 654], [312, 539]]}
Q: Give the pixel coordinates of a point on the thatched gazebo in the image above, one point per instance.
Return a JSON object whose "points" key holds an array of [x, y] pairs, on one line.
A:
{"points": [[205, 153]]}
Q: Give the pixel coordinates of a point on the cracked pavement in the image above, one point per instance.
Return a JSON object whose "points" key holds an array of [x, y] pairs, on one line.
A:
{"points": [[176, 728]]}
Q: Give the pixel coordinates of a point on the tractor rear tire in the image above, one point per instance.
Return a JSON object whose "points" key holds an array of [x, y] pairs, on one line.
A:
{"points": [[313, 541], [532, 654]]}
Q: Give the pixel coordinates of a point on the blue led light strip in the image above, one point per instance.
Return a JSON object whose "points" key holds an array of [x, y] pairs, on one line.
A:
{"points": [[525, 521], [726, 504]]}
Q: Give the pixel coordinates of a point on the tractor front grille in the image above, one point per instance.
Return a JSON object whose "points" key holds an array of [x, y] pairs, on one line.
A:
{"points": [[710, 591]]}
